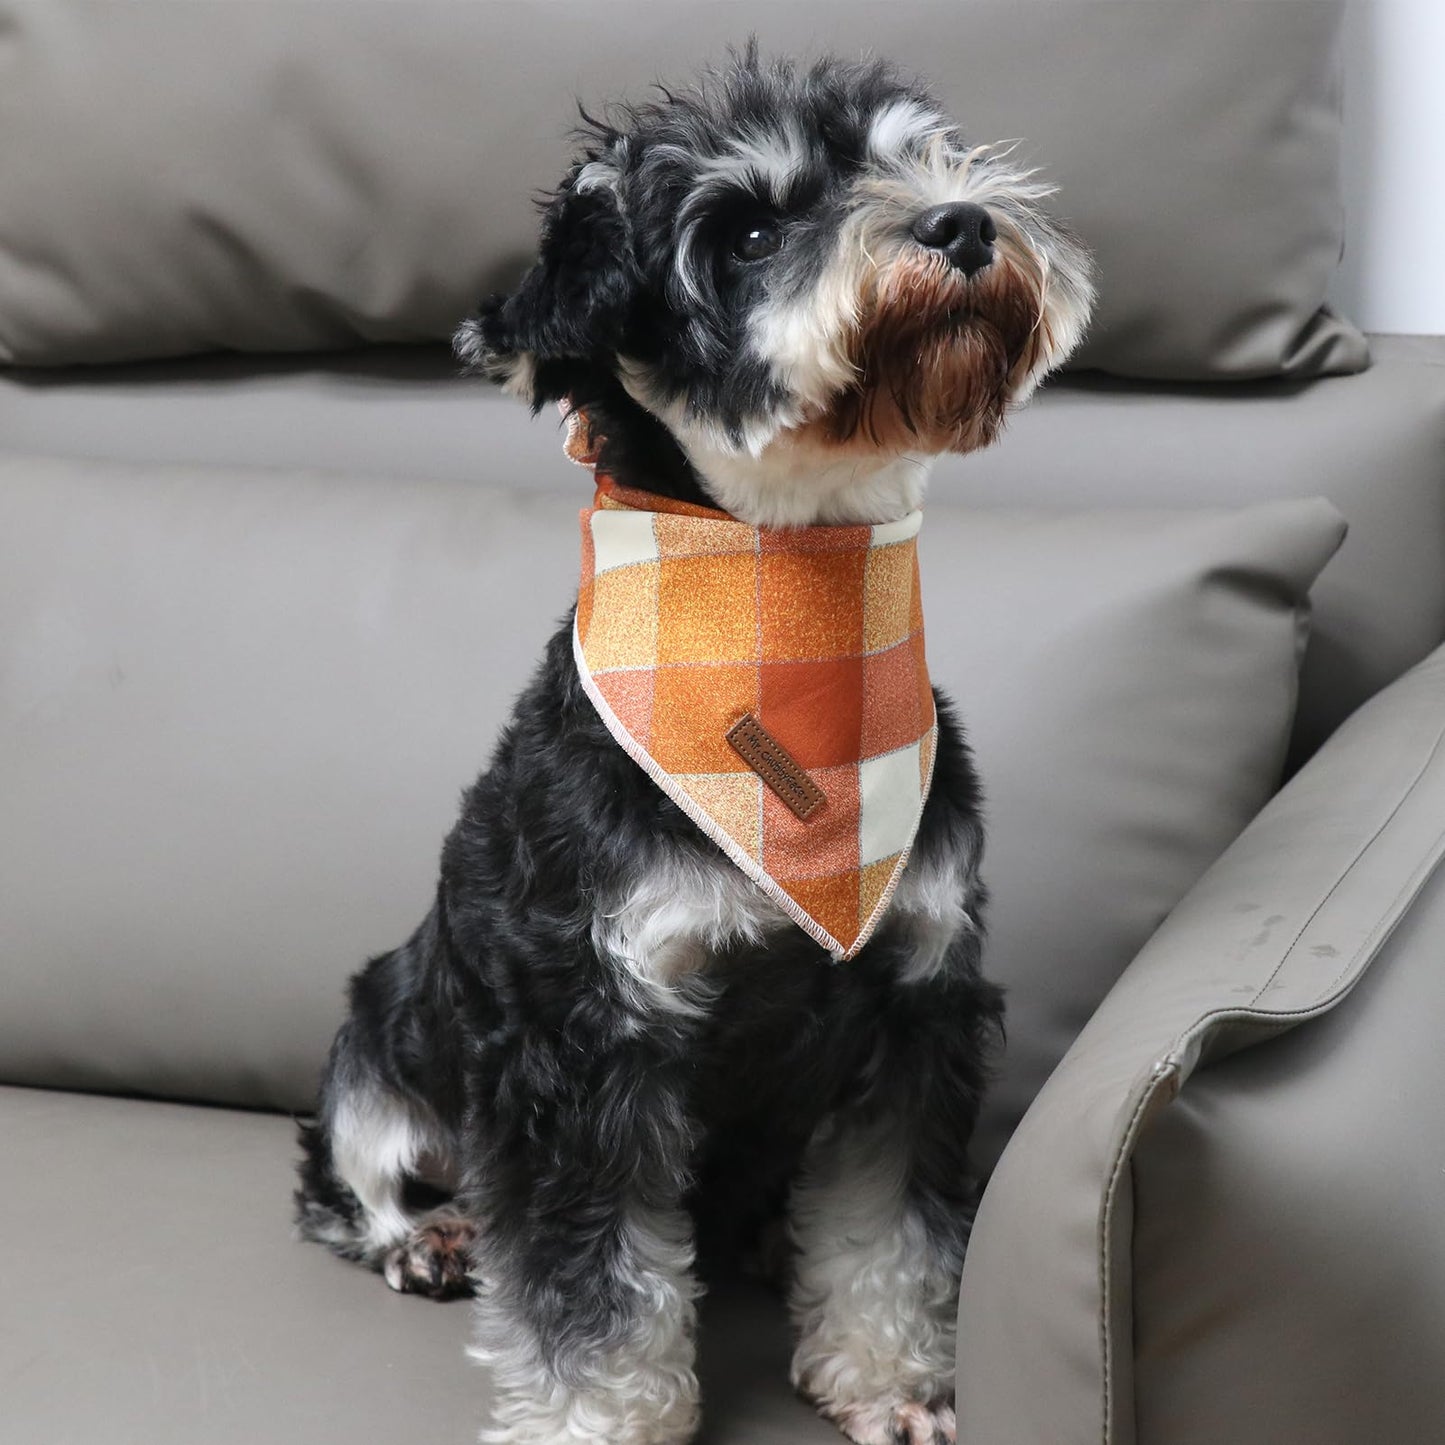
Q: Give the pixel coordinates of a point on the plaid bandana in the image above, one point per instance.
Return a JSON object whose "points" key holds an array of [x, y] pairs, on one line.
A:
{"points": [[772, 683]]}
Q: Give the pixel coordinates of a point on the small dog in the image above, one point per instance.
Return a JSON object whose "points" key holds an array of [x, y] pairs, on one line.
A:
{"points": [[608, 1050]]}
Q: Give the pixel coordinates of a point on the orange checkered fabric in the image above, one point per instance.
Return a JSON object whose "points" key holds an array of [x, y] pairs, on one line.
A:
{"points": [[689, 622]]}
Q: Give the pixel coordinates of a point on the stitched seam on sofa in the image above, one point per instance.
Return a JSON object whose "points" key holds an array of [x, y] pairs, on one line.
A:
{"points": [[1106, 1263], [1390, 918], [1349, 868], [1339, 988]]}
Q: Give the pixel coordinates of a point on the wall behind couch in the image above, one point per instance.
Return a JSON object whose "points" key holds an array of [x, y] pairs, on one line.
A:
{"points": [[1391, 278]]}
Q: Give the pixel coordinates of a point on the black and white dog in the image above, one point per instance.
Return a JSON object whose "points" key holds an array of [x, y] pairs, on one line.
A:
{"points": [[606, 1051]]}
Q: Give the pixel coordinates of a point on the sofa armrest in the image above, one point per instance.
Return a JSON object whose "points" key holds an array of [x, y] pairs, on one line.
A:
{"points": [[1278, 932]]}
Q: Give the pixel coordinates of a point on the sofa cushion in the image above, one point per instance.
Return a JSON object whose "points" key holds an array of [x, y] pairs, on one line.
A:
{"points": [[1271, 1255], [197, 1317], [177, 177], [237, 709], [1374, 444]]}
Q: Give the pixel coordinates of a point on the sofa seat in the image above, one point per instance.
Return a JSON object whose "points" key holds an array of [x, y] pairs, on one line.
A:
{"points": [[155, 1295]]}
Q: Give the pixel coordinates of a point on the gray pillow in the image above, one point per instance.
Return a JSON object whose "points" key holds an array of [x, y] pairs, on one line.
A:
{"points": [[236, 710], [177, 178]]}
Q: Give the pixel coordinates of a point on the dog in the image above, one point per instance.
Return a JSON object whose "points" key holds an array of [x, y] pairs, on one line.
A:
{"points": [[767, 302]]}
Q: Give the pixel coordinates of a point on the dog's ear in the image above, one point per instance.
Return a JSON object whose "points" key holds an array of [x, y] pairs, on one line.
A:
{"points": [[568, 317]]}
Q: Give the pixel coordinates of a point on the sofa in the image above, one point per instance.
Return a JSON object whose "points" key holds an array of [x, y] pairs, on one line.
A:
{"points": [[271, 571]]}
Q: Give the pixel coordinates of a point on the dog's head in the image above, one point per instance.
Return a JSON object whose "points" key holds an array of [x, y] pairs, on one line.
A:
{"points": [[810, 279]]}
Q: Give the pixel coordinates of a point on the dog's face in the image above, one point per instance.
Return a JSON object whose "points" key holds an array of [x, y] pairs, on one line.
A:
{"points": [[811, 280]]}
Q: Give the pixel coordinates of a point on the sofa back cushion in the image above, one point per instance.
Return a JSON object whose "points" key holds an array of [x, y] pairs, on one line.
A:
{"points": [[177, 178], [237, 708]]}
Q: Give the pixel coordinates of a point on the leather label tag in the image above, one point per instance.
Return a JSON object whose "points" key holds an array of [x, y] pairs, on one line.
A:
{"points": [[771, 762]]}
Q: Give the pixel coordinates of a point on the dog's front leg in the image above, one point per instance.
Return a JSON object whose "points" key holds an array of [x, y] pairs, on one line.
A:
{"points": [[586, 1298], [881, 1214]]}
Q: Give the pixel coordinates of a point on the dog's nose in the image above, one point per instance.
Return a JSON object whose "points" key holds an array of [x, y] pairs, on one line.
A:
{"points": [[965, 233]]}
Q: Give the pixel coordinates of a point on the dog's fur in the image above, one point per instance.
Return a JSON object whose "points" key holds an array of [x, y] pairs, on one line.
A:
{"points": [[605, 1050]]}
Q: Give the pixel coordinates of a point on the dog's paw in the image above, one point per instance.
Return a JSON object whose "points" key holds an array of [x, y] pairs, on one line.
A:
{"points": [[895, 1422], [435, 1259]]}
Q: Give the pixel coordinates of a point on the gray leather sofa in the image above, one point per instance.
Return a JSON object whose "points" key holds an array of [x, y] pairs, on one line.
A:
{"points": [[270, 572]]}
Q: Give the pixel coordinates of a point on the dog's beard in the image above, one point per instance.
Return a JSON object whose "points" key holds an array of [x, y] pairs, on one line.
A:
{"points": [[937, 356]]}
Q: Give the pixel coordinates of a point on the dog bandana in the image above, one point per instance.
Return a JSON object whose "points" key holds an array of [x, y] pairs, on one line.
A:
{"points": [[772, 683]]}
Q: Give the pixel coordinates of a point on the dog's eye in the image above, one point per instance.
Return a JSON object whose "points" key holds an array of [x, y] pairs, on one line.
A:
{"points": [[757, 240]]}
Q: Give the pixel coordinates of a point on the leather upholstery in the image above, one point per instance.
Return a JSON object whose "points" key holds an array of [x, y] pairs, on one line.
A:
{"points": [[1289, 1266], [1215, 1256]]}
